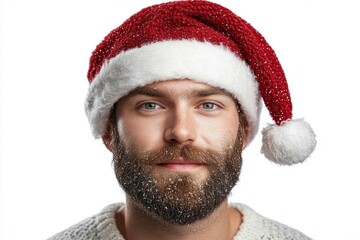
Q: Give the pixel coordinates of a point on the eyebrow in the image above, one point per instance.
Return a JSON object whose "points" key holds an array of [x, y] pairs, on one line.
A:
{"points": [[154, 92]]}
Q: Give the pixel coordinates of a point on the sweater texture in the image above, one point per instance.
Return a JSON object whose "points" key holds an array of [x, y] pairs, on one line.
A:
{"points": [[102, 226]]}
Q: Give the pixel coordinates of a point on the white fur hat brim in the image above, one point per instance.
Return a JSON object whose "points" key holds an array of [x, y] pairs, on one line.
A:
{"points": [[203, 62]]}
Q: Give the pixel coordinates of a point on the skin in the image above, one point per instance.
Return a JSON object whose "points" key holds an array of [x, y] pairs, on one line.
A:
{"points": [[181, 112]]}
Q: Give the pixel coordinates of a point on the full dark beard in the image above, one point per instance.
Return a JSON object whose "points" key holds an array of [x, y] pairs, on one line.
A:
{"points": [[177, 198]]}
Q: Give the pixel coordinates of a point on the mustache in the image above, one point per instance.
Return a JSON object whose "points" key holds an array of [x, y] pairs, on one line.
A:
{"points": [[188, 153]]}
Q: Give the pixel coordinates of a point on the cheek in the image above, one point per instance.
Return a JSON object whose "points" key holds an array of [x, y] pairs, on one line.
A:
{"points": [[219, 132], [140, 134]]}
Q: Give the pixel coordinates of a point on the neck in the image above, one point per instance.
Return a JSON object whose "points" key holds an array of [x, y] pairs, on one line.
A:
{"points": [[134, 223]]}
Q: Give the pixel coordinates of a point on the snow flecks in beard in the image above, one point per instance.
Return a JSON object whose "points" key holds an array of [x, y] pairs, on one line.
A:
{"points": [[178, 198]]}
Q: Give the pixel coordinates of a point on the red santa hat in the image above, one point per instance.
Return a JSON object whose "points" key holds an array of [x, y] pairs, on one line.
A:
{"points": [[204, 42]]}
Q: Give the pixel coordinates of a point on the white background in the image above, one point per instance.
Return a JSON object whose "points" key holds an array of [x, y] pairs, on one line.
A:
{"points": [[54, 174]]}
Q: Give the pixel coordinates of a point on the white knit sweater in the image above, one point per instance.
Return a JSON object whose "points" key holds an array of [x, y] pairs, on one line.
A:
{"points": [[102, 226]]}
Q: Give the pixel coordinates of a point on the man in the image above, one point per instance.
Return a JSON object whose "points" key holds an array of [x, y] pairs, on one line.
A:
{"points": [[175, 95]]}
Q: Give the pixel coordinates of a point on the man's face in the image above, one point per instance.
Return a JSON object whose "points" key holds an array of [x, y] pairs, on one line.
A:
{"points": [[177, 148]]}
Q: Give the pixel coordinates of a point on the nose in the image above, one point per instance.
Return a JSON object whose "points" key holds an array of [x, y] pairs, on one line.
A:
{"points": [[181, 127]]}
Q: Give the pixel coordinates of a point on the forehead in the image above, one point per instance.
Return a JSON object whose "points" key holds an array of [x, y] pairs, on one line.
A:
{"points": [[183, 88]]}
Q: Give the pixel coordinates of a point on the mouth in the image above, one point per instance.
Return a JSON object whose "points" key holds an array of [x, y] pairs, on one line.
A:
{"points": [[180, 165]]}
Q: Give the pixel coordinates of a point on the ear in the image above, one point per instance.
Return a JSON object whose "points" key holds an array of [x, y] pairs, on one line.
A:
{"points": [[243, 123], [107, 137], [245, 138]]}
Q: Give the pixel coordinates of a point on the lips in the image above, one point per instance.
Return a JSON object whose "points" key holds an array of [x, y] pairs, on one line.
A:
{"points": [[180, 165]]}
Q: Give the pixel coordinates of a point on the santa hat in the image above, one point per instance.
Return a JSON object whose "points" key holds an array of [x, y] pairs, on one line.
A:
{"points": [[204, 42]]}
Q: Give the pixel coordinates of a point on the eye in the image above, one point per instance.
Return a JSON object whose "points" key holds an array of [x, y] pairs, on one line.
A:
{"points": [[150, 106], [209, 106]]}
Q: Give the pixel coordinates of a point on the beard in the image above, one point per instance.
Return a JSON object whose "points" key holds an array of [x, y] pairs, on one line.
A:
{"points": [[173, 197]]}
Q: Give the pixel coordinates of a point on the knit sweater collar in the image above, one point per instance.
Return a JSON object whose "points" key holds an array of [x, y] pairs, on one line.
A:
{"points": [[107, 229]]}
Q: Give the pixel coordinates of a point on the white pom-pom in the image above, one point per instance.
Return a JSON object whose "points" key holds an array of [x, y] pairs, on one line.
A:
{"points": [[290, 143]]}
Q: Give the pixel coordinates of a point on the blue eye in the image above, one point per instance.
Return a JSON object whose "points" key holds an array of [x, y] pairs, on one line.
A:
{"points": [[208, 105], [150, 105]]}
